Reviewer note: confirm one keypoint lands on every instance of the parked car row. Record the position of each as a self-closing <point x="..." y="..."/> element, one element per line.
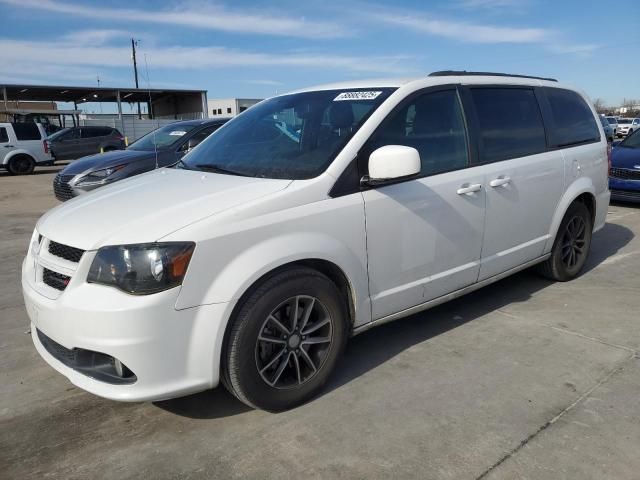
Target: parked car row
<point x="621" y="126"/>
<point x="160" y="148"/>
<point x="308" y="218"/>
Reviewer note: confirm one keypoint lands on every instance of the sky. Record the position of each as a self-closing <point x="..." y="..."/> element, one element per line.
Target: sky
<point x="255" y="49"/>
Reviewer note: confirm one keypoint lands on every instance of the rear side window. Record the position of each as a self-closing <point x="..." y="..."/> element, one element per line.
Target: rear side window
<point x="26" y="131"/>
<point x="95" y="132"/>
<point x="573" y="120"/>
<point x="433" y="124"/>
<point x="4" y="137"/>
<point x="510" y="123"/>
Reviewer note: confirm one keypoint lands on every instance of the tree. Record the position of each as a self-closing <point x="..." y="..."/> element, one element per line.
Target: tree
<point x="599" y="105"/>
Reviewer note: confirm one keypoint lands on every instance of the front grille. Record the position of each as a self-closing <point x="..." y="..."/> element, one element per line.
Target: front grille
<point x="625" y="174"/>
<point x="64" y="251"/>
<point x="54" y="279"/>
<point x="61" y="188"/>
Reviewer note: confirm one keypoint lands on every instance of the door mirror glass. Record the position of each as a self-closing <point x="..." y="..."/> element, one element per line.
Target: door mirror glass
<point x="393" y="162"/>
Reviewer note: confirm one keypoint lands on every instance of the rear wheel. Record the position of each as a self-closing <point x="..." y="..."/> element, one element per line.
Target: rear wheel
<point x="21" y="165"/>
<point x="285" y="340"/>
<point x="571" y="246"/>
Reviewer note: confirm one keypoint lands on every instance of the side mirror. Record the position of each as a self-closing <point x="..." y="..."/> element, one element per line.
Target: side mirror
<point x="392" y="162"/>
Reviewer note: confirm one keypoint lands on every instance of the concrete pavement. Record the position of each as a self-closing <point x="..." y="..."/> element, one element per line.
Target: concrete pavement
<point x="523" y="379"/>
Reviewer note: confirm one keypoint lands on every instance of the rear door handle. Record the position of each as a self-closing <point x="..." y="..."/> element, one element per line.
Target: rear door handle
<point x="467" y="189"/>
<point x="500" y="181"/>
<point x="8" y="146"/>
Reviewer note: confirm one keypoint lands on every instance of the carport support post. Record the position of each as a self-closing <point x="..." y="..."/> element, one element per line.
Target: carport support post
<point x="4" y="96"/>
<point x="205" y="107"/>
<point x="120" y="111"/>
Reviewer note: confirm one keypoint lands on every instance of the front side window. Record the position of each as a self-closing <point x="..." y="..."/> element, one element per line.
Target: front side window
<point x="573" y="120"/>
<point x="510" y="123"/>
<point x="433" y="124"/>
<point x="288" y="137"/>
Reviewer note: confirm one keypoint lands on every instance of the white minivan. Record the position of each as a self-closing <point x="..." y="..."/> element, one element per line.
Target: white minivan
<point x="311" y="217"/>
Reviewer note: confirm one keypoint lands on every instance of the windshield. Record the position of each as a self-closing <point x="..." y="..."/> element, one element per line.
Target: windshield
<point x="624" y="120"/>
<point x="58" y="134"/>
<point x="288" y="137"/>
<point x="632" y="141"/>
<point x="160" y="138"/>
<point x="604" y="121"/>
<point x="612" y="120"/>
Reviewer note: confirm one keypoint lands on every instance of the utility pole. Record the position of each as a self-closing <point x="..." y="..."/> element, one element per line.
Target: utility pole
<point x="135" y="69"/>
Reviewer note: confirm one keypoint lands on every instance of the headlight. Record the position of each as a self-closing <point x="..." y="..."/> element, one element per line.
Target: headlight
<point x="142" y="269"/>
<point x="99" y="176"/>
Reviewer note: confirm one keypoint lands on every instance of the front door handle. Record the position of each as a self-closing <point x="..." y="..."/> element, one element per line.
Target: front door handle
<point x="8" y="146"/>
<point x="500" y="181"/>
<point x="467" y="189"/>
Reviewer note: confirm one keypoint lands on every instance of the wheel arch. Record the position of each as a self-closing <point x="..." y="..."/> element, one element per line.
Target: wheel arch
<point x="582" y="190"/>
<point x="16" y="153"/>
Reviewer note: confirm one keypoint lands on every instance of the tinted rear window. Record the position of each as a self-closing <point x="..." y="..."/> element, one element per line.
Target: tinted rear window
<point x="4" y="137"/>
<point x="573" y="120"/>
<point x="510" y="123"/>
<point x="96" y="132"/>
<point x="26" y="131"/>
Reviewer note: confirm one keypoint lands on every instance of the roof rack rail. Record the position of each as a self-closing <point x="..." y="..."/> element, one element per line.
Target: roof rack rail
<point x="456" y="73"/>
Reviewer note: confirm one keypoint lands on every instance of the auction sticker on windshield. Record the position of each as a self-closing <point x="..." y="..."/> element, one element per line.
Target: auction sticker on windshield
<point x="356" y="96"/>
<point x="177" y="133"/>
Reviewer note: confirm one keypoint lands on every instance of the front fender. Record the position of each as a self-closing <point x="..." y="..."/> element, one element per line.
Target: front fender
<point x="252" y="264"/>
<point x="578" y="187"/>
<point x="231" y="256"/>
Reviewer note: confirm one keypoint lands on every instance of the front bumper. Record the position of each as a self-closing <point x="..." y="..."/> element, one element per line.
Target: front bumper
<point x="171" y="352"/>
<point x="624" y="190"/>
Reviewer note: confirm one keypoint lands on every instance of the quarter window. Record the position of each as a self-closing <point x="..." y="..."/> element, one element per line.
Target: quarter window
<point x="26" y="131"/>
<point x="573" y="120"/>
<point x="510" y="123"/>
<point x="4" y="138"/>
<point x="433" y="124"/>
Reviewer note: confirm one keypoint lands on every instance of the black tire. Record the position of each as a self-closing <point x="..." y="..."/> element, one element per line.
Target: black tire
<point x="247" y="357"/>
<point x="21" y="165"/>
<point x="571" y="246"/>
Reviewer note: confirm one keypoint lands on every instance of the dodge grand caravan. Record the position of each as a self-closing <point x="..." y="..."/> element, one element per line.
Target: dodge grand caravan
<point x="311" y="217"/>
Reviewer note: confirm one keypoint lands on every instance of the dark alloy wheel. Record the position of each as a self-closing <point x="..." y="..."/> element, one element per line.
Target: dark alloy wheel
<point x="21" y="165"/>
<point x="294" y="342"/>
<point x="285" y="339"/>
<point x="573" y="242"/>
<point x="571" y="246"/>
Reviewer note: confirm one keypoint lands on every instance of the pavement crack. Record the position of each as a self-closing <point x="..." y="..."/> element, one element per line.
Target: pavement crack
<point x="564" y="411"/>
<point x="593" y="339"/>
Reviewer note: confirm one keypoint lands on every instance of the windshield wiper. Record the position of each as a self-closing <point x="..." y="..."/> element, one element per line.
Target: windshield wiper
<point x="217" y="169"/>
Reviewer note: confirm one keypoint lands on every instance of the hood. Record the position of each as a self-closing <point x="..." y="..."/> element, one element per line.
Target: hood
<point x="147" y="207"/>
<point x="625" y="158"/>
<point x="104" y="160"/>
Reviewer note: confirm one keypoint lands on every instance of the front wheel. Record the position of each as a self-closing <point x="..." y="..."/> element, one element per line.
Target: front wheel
<point x="571" y="246"/>
<point x="285" y="340"/>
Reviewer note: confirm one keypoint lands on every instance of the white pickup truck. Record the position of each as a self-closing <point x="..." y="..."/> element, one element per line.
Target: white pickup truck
<point x="22" y="147"/>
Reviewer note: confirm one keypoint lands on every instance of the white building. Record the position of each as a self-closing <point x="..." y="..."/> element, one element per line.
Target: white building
<point x="229" y="107"/>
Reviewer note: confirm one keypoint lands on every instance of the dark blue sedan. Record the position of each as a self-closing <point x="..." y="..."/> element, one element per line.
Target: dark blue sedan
<point x="624" y="177"/>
